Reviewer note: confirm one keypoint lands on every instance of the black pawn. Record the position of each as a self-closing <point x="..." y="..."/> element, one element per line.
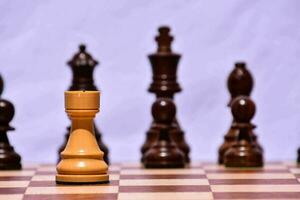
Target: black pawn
<point x="83" y="65"/>
<point x="244" y="152"/>
<point x="240" y="83"/>
<point x="164" y="153"/>
<point x="9" y="159"/>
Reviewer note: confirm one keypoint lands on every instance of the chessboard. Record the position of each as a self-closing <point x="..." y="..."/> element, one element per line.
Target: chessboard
<point x="130" y="181"/>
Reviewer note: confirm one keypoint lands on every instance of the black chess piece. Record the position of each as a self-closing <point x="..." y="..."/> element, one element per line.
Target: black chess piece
<point x="164" y="85"/>
<point x="240" y="82"/>
<point x="244" y="152"/>
<point x="9" y="159"/>
<point x="83" y="65"/>
<point x="164" y="153"/>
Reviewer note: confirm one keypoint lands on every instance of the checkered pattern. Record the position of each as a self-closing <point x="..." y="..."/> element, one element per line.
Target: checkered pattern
<point x="132" y="182"/>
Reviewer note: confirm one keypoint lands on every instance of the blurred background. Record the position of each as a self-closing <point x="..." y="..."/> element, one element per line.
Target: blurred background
<point x="37" y="38"/>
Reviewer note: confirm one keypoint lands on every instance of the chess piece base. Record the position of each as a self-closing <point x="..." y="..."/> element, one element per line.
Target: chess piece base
<point x="230" y="139"/>
<point x="9" y="159"/>
<point x="71" y="171"/>
<point x="63" y="178"/>
<point x="11" y="166"/>
<point x="82" y="171"/>
<point x="238" y="156"/>
<point x="177" y="135"/>
<point x="162" y="155"/>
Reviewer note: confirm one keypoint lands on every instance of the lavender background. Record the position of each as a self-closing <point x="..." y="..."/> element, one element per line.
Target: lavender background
<point x="38" y="37"/>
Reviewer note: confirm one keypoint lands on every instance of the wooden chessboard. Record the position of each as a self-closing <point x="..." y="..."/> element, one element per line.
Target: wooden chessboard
<point x="131" y="182"/>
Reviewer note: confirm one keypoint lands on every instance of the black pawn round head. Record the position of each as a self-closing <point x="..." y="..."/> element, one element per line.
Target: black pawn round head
<point x="7" y="112"/>
<point x="1" y="85"/>
<point x="163" y="111"/>
<point x="243" y="109"/>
